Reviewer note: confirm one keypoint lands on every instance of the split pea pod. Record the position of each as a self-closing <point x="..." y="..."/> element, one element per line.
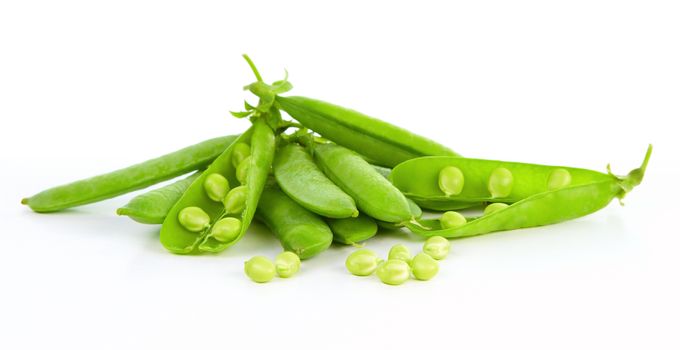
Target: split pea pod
<point x="382" y="142"/>
<point x="240" y="202"/>
<point x="129" y="179"/>
<point x="373" y="193"/>
<point x="152" y="207"/>
<point x="302" y="180"/>
<point x="546" y="207"/>
<point x="353" y="230"/>
<point x="299" y="230"/>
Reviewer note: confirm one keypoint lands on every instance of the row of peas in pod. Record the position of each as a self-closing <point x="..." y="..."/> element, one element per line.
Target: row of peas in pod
<point x="334" y="175"/>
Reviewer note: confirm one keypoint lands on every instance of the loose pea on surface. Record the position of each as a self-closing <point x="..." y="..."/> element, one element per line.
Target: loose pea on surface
<point x="242" y="171"/>
<point x="193" y="219"/>
<point x="559" y="178"/>
<point x="424" y="267"/>
<point x="235" y="201"/>
<point x="226" y="230"/>
<point x="362" y="262"/>
<point x="393" y="272"/>
<point x="399" y="252"/>
<point x="287" y="264"/>
<point x="494" y="207"/>
<point x="216" y="186"/>
<point x="451" y="180"/>
<point x="452" y="219"/>
<point x="437" y="247"/>
<point x="500" y="182"/>
<point x="241" y="151"/>
<point x="259" y="269"/>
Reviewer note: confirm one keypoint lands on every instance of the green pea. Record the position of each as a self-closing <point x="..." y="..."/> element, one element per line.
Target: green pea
<point x="287" y="264"/>
<point x="437" y="247"/>
<point x="362" y="262"/>
<point x="226" y="230"/>
<point x="235" y="201"/>
<point x="452" y="219"/>
<point x="424" y="267"/>
<point x="393" y="272"/>
<point x="399" y="252"/>
<point x="559" y="178"/>
<point x="259" y="269"/>
<point x="451" y="180"/>
<point x="241" y="151"/>
<point x="500" y="182"/>
<point x="194" y="219"/>
<point x="216" y="187"/>
<point x="494" y="207"/>
<point x="242" y="171"/>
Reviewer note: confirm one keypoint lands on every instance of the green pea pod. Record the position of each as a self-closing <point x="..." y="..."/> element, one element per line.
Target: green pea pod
<point x="544" y="208"/>
<point x="382" y="142"/>
<point x="178" y="239"/>
<point x="416" y="213"/>
<point x="302" y="180"/>
<point x="129" y="179"/>
<point x="353" y="230"/>
<point x="299" y="230"/>
<point x="374" y="194"/>
<point x="152" y="207"/>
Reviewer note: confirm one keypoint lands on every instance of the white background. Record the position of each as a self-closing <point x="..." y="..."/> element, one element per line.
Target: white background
<point x="90" y="86"/>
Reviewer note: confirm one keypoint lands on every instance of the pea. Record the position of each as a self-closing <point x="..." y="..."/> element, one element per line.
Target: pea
<point x="424" y="267"/>
<point x="241" y="151"/>
<point x="399" y="252"/>
<point x="226" y="230"/>
<point x="437" y="247"/>
<point x="287" y="264"/>
<point x="242" y="171"/>
<point x="216" y="186"/>
<point x="362" y="262"/>
<point x="260" y="269"/>
<point x="235" y="201"/>
<point x="559" y="178"/>
<point x="452" y="219"/>
<point x="194" y="219"/>
<point x="451" y="180"/>
<point x="500" y="182"/>
<point x="494" y="207"/>
<point x="393" y="272"/>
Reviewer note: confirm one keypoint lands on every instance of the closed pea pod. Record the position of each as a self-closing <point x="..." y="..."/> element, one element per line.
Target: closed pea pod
<point x="353" y="230"/>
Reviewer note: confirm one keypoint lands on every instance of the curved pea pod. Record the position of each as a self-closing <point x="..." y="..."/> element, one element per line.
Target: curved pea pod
<point x="152" y="207"/>
<point x="178" y="239"/>
<point x="373" y="194"/>
<point x="544" y="208"/>
<point x="419" y="179"/>
<point x="382" y="142"/>
<point x="353" y="230"/>
<point x="299" y="230"/>
<point x="302" y="180"/>
<point x="129" y="179"/>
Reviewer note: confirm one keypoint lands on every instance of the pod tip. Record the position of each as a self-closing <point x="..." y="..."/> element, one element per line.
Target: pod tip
<point x="24" y="201"/>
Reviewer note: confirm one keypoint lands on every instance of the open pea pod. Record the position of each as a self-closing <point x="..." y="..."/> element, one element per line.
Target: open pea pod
<point x="178" y="239"/>
<point x="544" y="208"/>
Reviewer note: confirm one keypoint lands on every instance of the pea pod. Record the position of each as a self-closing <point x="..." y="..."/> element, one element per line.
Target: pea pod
<point x="302" y="180"/>
<point x="152" y="207"/>
<point x="178" y="239"/>
<point x="547" y="207"/>
<point x="416" y="213"/>
<point x="299" y="230"/>
<point x="353" y="230"/>
<point x="374" y="194"/>
<point x="382" y="142"/>
<point x="129" y="179"/>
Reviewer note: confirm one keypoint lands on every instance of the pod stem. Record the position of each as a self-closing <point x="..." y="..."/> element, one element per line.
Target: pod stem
<point x="634" y="177"/>
<point x="253" y="68"/>
<point x="415" y="222"/>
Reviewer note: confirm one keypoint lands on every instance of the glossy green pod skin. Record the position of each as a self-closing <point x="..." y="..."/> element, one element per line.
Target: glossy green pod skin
<point x="382" y="142"/>
<point x="353" y="230"/>
<point x="373" y="194"/>
<point x="301" y="179"/>
<point x="153" y="207"/>
<point x="178" y="239"/>
<point x="129" y="179"/>
<point x="299" y="230"/>
<point x="416" y="213"/>
<point x="545" y="208"/>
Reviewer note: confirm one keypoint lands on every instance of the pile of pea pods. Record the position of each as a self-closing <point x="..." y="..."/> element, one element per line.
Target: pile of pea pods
<point x="332" y="174"/>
